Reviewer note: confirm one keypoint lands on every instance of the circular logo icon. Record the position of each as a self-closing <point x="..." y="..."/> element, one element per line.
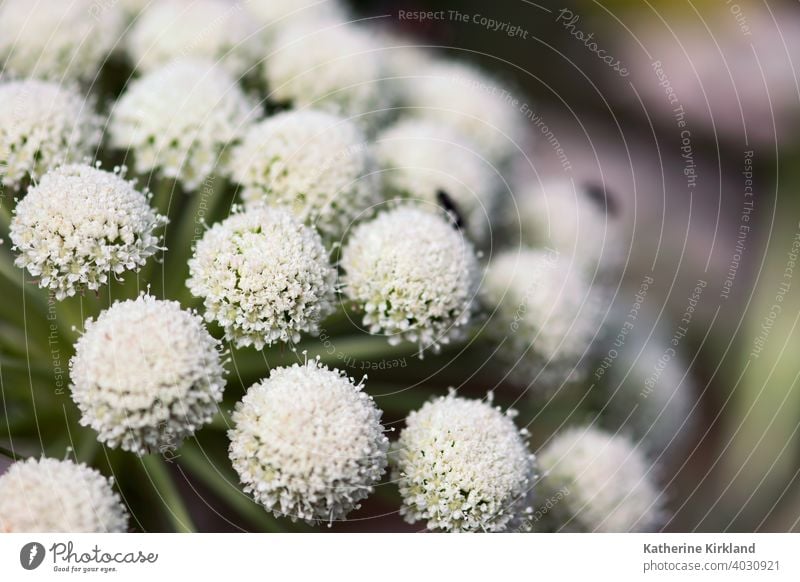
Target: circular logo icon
<point x="31" y="555"/>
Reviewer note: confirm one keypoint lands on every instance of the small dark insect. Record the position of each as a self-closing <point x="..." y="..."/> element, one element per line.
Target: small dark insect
<point x="598" y="194"/>
<point x="451" y="208"/>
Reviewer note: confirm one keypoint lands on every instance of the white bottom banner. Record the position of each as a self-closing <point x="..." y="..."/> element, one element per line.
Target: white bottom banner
<point x="403" y="557"/>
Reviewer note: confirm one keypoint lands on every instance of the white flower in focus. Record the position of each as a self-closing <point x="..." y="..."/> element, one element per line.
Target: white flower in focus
<point x="308" y="443"/>
<point x="51" y="496"/>
<point x="146" y="374"/>
<point x="474" y="102"/>
<point x="79" y="225"/>
<point x="180" y="118"/>
<point x="314" y="163"/>
<point x="414" y="275"/>
<point x="462" y="465"/>
<point x="575" y="222"/>
<point x="432" y="161"/>
<point x="608" y="482"/>
<point x="216" y="30"/>
<point x="62" y="40"/>
<point x="330" y="65"/>
<point x="264" y="277"/>
<point x="545" y="314"/>
<point x="43" y="125"/>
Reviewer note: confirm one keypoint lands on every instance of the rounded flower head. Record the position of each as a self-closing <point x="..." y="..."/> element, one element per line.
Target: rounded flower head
<point x="472" y="101"/>
<point x="545" y="314"/>
<point x="432" y="161"/>
<point x="330" y="65"/>
<point x="50" y="496"/>
<point x="264" y="277"/>
<point x="146" y="374"/>
<point x="180" y="118"/>
<point x="578" y="223"/>
<point x="57" y="39"/>
<point x="314" y="163"/>
<point x="43" y="125"/>
<point x="207" y="29"/>
<point x="308" y="443"/>
<point x="414" y="275"/>
<point x="79" y="225"/>
<point x="606" y="482"/>
<point x="462" y="465"/>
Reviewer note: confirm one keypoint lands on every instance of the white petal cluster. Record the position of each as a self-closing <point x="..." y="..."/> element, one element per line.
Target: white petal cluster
<point x="462" y="465"/>
<point x="57" y="39"/>
<point x="308" y="443"/>
<point x="560" y="216"/>
<point x="180" y="118"/>
<point x="264" y="277"/>
<point x="216" y="30"/>
<point x="276" y="14"/>
<point x="651" y="394"/>
<point x="414" y="275"/>
<point x="79" y="225"/>
<point x="146" y="374"/>
<point x="545" y="314"/>
<point x="314" y="163"/>
<point x="43" y="125"/>
<point x="607" y="482"/>
<point x="51" y="496"/>
<point x="330" y="65"/>
<point x="426" y="160"/>
<point x="474" y="102"/>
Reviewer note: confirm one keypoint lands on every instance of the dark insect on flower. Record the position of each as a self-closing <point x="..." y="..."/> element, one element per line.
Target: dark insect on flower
<point x="449" y="205"/>
<point x="598" y="194"/>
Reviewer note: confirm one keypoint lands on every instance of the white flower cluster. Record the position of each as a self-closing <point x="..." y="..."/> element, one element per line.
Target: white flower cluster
<point x="314" y="163"/>
<point x="43" y="125"/>
<point x="146" y="374"/>
<point x="264" y="277"/>
<point x="462" y="465"/>
<point x="545" y="314"/>
<point x="308" y="443"/>
<point x="471" y="100"/>
<point x="331" y="65"/>
<point x="414" y="275"/>
<point x="216" y="30"/>
<point x="180" y="118"/>
<point x="560" y="216"/>
<point x="276" y="14"/>
<point x="79" y="225"/>
<point x="56" y="39"/>
<point x="431" y="161"/>
<point x="51" y="496"/>
<point x="609" y="482"/>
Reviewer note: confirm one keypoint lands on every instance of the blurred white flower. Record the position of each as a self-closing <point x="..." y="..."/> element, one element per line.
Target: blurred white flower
<point x="79" y="225"/>
<point x="308" y="443"/>
<point x="180" y="119"/>
<point x="215" y="30"/>
<point x="331" y="65"/>
<point x="414" y="274"/>
<point x="51" y="496"/>
<point x="462" y="465"/>
<point x="314" y="163"/>
<point x="264" y="277"/>
<point x="434" y="162"/>
<point x="609" y="482"/>
<point x="43" y="125"/>
<point x="57" y="39"/>
<point x="274" y="15"/>
<point x="545" y="317"/>
<point x="146" y="374"/>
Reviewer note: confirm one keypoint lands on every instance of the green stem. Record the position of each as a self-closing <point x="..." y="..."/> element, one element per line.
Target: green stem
<point x="197" y="463"/>
<point x="165" y="487"/>
<point x="12" y="455"/>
